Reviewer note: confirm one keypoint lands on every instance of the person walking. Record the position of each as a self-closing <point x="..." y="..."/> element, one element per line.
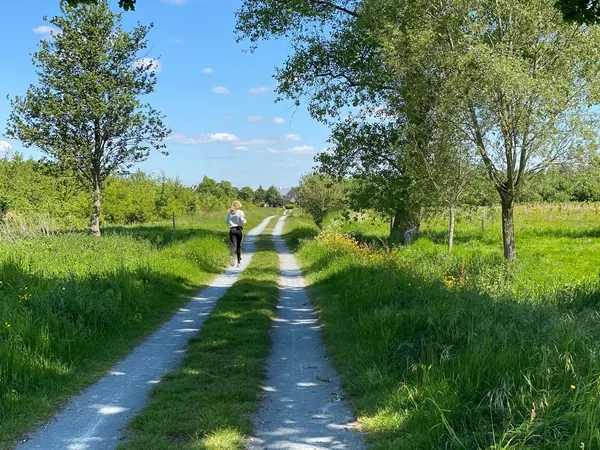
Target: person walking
<point x="236" y="220"/>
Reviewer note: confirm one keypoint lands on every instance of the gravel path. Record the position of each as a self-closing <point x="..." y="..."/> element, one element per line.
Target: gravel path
<point x="303" y="407"/>
<point x="96" y="418"/>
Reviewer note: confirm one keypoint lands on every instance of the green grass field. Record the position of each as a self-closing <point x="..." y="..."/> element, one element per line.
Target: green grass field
<point x="463" y="350"/>
<point x="72" y="305"/>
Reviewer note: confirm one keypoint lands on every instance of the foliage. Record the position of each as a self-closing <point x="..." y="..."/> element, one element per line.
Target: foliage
<point x="581" y="11"/>
<point x="246" y="194"/>
<point x="451" y="80"/>
<point x="464" y="350"/>
<point x="30" y="193"/>
<point x="127" y="5"/>
<point x="260" y="196"/>
<point x="502" y="70"/>
<point x="273" y="197"/>
<point x="319" y="194"/>
<point x="85" y="114"/>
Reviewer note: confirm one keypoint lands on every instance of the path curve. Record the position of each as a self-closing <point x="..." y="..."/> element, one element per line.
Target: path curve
<point x="95" y="419"/>
<point x="303" y="407"/>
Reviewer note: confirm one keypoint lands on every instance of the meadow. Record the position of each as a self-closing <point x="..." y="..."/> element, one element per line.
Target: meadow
<point x="462" y="350"/>
<point x="72" y="305"/>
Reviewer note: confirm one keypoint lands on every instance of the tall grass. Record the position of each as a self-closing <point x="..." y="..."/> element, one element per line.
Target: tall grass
<point x="462" y="350"/>
<point x="71" y="305"/>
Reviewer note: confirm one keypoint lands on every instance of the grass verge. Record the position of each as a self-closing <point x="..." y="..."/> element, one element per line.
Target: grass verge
<point x="208" y="402"/>
<point x="442" y="361"/>
<point x="71" y="306"/>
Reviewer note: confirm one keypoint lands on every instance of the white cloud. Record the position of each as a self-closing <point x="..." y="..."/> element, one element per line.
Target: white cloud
<point x="255" y="118"/>
<point x="175" y="2"/>
<point x="241" y="148"/>
<point x="293" y="137"/>
<point x="207" y="70"/>
<point x="278" y="120"/>
<point x="258" y="141"/>
<point x="178" y="41"/>
<point x="152" y="64"/>
<point x="46" y="30"/>
<point x="221" y="90"/>
<point x="183" y="139"/>
<point x="5" y="147"/>
<point x="259" y="90"/>
<point x="301" y="150"/>
<point x="229" y="116"/>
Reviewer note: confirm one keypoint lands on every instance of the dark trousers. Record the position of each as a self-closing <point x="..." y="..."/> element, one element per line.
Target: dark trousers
<point x="236" y="234"/>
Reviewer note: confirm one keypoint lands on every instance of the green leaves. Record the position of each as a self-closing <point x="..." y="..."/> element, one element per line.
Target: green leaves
<point x="127" y="5"/>
<point x="85" y="113"/>
<point x="318" y="195"/>
<point x="581" y="11"/>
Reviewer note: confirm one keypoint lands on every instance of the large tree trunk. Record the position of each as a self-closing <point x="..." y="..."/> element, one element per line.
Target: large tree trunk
<point x="404" y="220"/>
<point x="508" y="228"/>
<point x="451" y="227"/>
<point x="95" y="220"/>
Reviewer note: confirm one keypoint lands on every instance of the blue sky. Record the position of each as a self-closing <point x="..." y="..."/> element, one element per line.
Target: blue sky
<point x="218" y="99"/>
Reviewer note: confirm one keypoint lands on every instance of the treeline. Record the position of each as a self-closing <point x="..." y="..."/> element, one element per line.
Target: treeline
<point x="30" y="189"/>
<point x="320" y="194"/>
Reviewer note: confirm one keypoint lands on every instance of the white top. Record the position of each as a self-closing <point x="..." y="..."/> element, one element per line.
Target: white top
<point x="236" y="218"/>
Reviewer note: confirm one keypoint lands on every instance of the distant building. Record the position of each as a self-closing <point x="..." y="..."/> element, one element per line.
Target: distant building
<point x="288" y="194"/>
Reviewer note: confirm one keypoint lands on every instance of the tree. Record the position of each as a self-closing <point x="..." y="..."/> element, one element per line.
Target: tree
<point x="125" y="4"/>
<point x="246" y="194"/>
<point x="273" y="197"/>
<point x="375" y="157"/>
<point x="259" y="196"/>
<point x="318" y="195"/>
<point x="513" y="77"/>
<point x="208" y="186"/>
<point x="228" y="190"/>
<point x="85" y="115"/>
<point x="581" y="11"/>
<point x="335" y="71"/>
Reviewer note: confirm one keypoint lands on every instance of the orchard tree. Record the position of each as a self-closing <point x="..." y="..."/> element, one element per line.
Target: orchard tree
<point x="85" y="114"/>
<point x="318" y="195"/>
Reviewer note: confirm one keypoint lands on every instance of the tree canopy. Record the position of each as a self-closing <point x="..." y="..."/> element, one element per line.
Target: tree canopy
<point x="417" y="90"/>
<point x="581" y="11"/>
<point x="85" y="114"/>
<point x="125" y="4"/>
